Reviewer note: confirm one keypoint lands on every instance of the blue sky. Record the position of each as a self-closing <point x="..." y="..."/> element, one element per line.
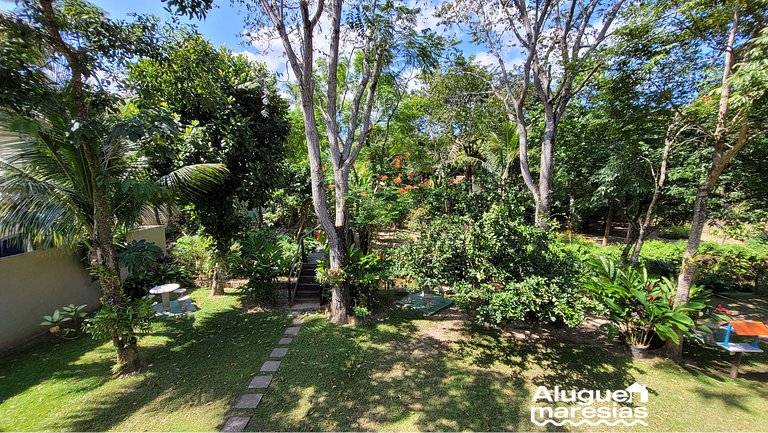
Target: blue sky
<point x="223" y="25"/>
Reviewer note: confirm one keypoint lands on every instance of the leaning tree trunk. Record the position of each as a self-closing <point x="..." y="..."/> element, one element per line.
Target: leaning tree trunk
<point x="632" y="235"/>
<point x="688" y="267"/>
<point x="657" y="188"/>
<point x="721" y="156"/>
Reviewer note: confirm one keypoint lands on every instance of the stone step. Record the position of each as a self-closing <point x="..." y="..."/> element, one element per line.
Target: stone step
<point x="309" y="288"/>
<point x="260" y="381"/>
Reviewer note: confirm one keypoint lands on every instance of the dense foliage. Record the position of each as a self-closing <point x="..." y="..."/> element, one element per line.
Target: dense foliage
<point x="501" y="268"/>
<point x="231" y="113"/>
<point x="641" y="307"/>
<point x="262" y="256"/>
<point x="720" y="267"/>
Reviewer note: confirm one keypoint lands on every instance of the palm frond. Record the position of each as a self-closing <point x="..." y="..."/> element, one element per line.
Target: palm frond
<point x="194" y="181"/>
<point x="39" y="212"/>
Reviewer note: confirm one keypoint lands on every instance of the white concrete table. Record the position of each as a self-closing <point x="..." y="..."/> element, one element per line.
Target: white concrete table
<point x="165" y="292"/>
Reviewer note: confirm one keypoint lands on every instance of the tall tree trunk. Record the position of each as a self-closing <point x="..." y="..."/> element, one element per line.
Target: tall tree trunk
<point x="544" y="203"/>
<point x="343" y="153"/>
<point x="103" y="244"/>
<point x="338" y="260"/>
<point x="608" y="224"/>
<point x="128" y="359"/>
<point x="658" y="185"/>
<point x="721" y="156"/>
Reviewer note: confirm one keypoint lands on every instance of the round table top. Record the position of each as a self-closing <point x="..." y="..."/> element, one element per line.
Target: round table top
<point x="165" y="288"/>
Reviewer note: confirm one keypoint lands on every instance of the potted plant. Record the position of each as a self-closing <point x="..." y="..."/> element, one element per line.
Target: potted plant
<point x="640" y="307"/>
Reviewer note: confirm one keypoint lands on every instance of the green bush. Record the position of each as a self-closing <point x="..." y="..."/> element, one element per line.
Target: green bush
<point x="501" y="268"/>
<point x="262" y="256"/>
<point x="167" y="270"/>
<point x="363" y="273"/>
<point x="719" y="267"/>
<point x="732" y="267"/>
<point x="148" y="267"/>
<point x="195" y="253"/>
<point x="438" y="256"/>
<point x="132" y="319"/>
<point x="675" y="232"/>
<point x="138" y="258"/>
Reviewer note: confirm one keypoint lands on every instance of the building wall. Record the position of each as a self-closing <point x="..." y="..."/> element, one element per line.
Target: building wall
<point x="34" y="284"/>
<point x="155" y="234"/>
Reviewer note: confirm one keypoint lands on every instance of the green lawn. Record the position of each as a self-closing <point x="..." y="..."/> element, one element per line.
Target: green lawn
<point x="199" y="365"/>
<point x="405" y="373"/>
<point x="402" y="375"/>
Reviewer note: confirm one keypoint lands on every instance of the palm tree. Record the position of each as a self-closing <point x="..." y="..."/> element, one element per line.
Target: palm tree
<point x="47" y="194"/>
<point x="46" y="197"/>
<point x="495" y="153"/>
<point x="72" y="174"/>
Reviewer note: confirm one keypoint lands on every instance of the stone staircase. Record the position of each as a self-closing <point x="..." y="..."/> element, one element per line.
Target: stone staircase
<point x="307" y="290"/>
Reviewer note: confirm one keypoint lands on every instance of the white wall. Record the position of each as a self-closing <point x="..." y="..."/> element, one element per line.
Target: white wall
<point x="34" y="284"/>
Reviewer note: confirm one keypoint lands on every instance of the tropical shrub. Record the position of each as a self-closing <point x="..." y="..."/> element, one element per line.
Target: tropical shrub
<point x="501" y="268"/>
<point x="438" y="257"/>
<point x="167" y="270"/>
<point x="262" y="256"/>
<point x="640" y="307"/>
<point x="719" y="267"/>
<point x="364" y="272"/>
<point x="125" y="322"/>
<point x="194" y="253"/>
<point x="148" y="267"/>
<point x="362" y="314"/>
<point x="54" y="321"/>
<point x="75" y="314"/>
<point x="138" y="257"/>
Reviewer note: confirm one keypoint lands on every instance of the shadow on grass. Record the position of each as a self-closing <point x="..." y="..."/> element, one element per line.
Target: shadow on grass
<point x="550" y="362"/>
<point x="392" y="376"/>
<point x="28" y="368"/>
<point x="714" y="363"/>
<point x="195" y="362"/>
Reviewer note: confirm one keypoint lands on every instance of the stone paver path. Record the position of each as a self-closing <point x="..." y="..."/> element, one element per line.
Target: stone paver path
<point x="252" y="400"/>
<point x="279" y="352"/>
<point x="270" y="366"/>
<point x="260" y="381"/>
<point x="236" y="423"/>
<point x="248" y="401"/>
